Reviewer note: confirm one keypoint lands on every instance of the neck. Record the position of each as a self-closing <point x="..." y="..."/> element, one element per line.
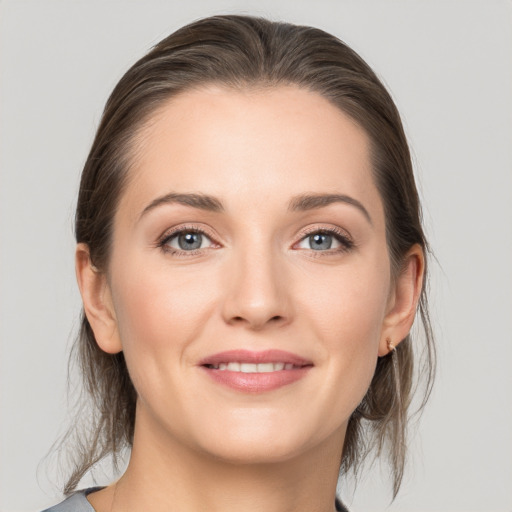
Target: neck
<point x="164" y="476"/>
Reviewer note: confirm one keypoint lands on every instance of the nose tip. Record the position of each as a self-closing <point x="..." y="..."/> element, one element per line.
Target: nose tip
<point x="257" y="295"/>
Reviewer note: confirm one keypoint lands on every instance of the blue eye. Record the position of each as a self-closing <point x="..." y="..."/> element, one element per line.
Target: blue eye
<point x="320" y="241"/>
<point x="324" y="241"/>
<point x="187" y="240"/>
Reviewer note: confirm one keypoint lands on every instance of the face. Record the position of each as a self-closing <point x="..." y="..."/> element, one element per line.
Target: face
<point x="249" y="278"/>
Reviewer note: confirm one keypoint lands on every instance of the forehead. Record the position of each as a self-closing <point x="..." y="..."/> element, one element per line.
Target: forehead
<point x="266" y="144"/>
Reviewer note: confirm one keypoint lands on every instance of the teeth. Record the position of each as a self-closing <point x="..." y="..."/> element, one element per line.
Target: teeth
<point x="249" y="368"/>
<point x="253" y="367"/>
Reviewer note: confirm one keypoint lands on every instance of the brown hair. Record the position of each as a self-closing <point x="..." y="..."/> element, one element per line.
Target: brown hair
<point x="240" y="52"/>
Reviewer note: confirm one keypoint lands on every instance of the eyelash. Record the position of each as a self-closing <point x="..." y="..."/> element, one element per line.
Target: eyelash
<point x="347" y="244"/>
<point x="168" y="236"/>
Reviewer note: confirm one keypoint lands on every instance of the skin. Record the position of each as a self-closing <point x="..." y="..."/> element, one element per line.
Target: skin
<point x="255" y="283"/>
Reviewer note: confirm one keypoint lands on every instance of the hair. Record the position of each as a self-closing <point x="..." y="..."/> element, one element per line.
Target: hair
<point x="241" y="52"/>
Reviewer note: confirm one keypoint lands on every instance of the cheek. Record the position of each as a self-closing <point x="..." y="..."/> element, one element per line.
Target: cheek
<point x="159" y="315"/>
<point x="349" y="320"/>
<point x="350" y="303"/>
<point x="159" y="312"/>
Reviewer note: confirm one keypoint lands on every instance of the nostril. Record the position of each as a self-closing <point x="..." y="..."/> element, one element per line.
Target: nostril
<point x="257" y="323"/>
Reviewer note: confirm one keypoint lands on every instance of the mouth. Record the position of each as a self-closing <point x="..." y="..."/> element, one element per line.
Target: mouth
<point x="253" y="367"/>
<point x="255" y="372"/>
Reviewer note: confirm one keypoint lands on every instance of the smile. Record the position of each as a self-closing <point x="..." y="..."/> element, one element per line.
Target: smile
<point x="253" y="367"/>
<point x="253" y="372"/>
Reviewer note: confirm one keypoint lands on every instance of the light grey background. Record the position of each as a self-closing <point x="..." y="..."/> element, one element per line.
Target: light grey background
<point x="447" y="63"/>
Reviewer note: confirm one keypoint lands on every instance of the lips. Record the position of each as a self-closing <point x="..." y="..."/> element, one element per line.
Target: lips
<point x="255" y="372"/>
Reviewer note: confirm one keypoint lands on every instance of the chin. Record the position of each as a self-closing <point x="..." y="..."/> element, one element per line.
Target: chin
<point x="266" y="442"/>
<point x="254" y="452"/>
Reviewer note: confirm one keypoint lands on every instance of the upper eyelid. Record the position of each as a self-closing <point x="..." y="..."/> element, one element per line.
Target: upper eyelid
<point x="335" y="230"/>
<point x="171" y="232"/>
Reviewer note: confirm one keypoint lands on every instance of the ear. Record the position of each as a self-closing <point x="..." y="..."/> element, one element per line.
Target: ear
<point x="97" y="300"/>
<point x="403" y="300"/>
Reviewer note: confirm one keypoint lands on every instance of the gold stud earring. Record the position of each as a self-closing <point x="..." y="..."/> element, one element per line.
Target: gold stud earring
<point x="390" y="345"/>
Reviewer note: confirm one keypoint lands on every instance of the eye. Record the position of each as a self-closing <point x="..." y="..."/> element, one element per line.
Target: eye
<point x="325" y="240"/>
<point x="186" y="240"/>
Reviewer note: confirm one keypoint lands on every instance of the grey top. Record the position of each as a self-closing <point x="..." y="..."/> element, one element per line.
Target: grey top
<point x="77" y="502"/>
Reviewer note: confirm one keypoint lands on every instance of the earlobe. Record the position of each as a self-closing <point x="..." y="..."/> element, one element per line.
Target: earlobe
<point x="97" y="301"/>
<point x="403" y="300"/>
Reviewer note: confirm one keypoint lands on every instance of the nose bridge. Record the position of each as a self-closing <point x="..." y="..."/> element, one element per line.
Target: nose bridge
<point x="257" y="293"/>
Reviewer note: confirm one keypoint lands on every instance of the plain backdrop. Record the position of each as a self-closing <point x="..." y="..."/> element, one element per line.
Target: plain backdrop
<point x="448" y="64"/>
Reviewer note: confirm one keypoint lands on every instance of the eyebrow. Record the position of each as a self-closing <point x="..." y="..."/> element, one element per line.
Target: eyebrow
<point x="200" y="201"/>
<point x="301" y="202"/>
<point x="312" y="201"/>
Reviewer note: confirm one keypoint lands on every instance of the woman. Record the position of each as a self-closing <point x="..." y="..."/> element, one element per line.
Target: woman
<point x="251" y="259"/>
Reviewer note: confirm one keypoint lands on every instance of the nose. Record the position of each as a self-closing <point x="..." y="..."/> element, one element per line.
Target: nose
<point x="257" y="294"/>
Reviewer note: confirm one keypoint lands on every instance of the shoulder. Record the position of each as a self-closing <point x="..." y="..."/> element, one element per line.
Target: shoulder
<point x="77" y="502"/>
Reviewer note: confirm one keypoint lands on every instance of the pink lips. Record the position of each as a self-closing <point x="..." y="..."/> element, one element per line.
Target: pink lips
<point x="252" y="380"/>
